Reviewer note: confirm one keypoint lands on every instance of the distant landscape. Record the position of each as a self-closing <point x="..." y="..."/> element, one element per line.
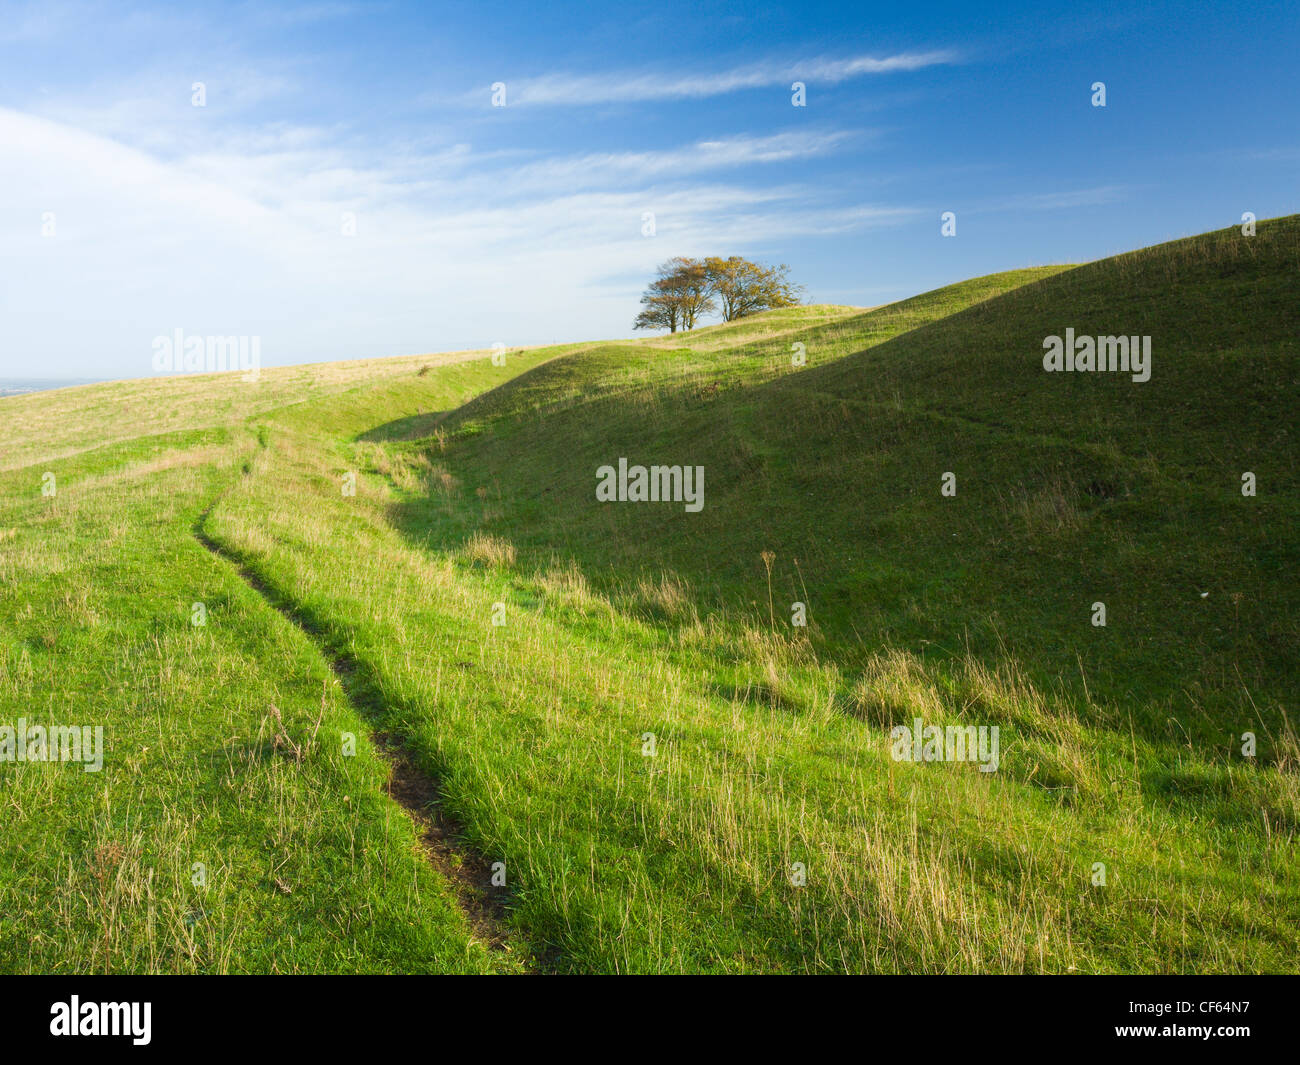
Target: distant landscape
<point x="17" y="386"/>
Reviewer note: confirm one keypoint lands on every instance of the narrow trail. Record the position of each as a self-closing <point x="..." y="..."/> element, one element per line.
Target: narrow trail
<point x="418" y="793"/>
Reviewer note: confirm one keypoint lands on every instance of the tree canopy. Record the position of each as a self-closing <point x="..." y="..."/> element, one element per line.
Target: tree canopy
<point x="684" y="290"/>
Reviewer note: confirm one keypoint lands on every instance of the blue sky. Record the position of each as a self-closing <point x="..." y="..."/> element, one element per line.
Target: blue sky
<point x="523" y="224"/>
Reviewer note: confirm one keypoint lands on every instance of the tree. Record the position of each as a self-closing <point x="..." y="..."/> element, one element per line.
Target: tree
<point x="679" y="296"/>
<point x="746" y="288"/>
<point x="658" y="311"/>
<point x="684" y="290"/>
<point x="690" y="283"/>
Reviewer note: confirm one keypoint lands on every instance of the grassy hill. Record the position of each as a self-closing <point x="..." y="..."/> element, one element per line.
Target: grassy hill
<point x="612" y="706"/>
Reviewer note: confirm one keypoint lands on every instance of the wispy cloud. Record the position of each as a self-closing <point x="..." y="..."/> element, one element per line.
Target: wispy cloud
<point x="451" y="245"/>
<point x="629" y="87"/>
<point x="719" y="154"/>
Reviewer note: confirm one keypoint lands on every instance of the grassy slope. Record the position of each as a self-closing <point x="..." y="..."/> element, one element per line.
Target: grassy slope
<point x="47" y="426"/>
<point x="770" y="747"/>
<point x="771" y="742"/>
<point x="309" y="867"/>
<point x="1072" y="489"/>
<point x="766" y="325"/>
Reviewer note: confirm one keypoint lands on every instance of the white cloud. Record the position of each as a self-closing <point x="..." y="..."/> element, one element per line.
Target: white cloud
<point x="705" y="155"/>
<point x="1056" y="201"/>
<point x="615" y="87"/>
<point x="452" y="250"/>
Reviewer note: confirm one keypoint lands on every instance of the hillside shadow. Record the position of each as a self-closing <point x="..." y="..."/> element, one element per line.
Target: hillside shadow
<point x="405" y="430"/>
<point x="1071" y="490"/>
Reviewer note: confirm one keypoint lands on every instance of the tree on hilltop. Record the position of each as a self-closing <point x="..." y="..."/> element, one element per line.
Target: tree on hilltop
<point x="685" y="290"/>
<point x="745" y="287"/>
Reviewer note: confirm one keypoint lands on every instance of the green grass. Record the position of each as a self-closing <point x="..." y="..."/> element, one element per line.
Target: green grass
<point x="475" y="499"/>
<point x="309" y="867"/>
